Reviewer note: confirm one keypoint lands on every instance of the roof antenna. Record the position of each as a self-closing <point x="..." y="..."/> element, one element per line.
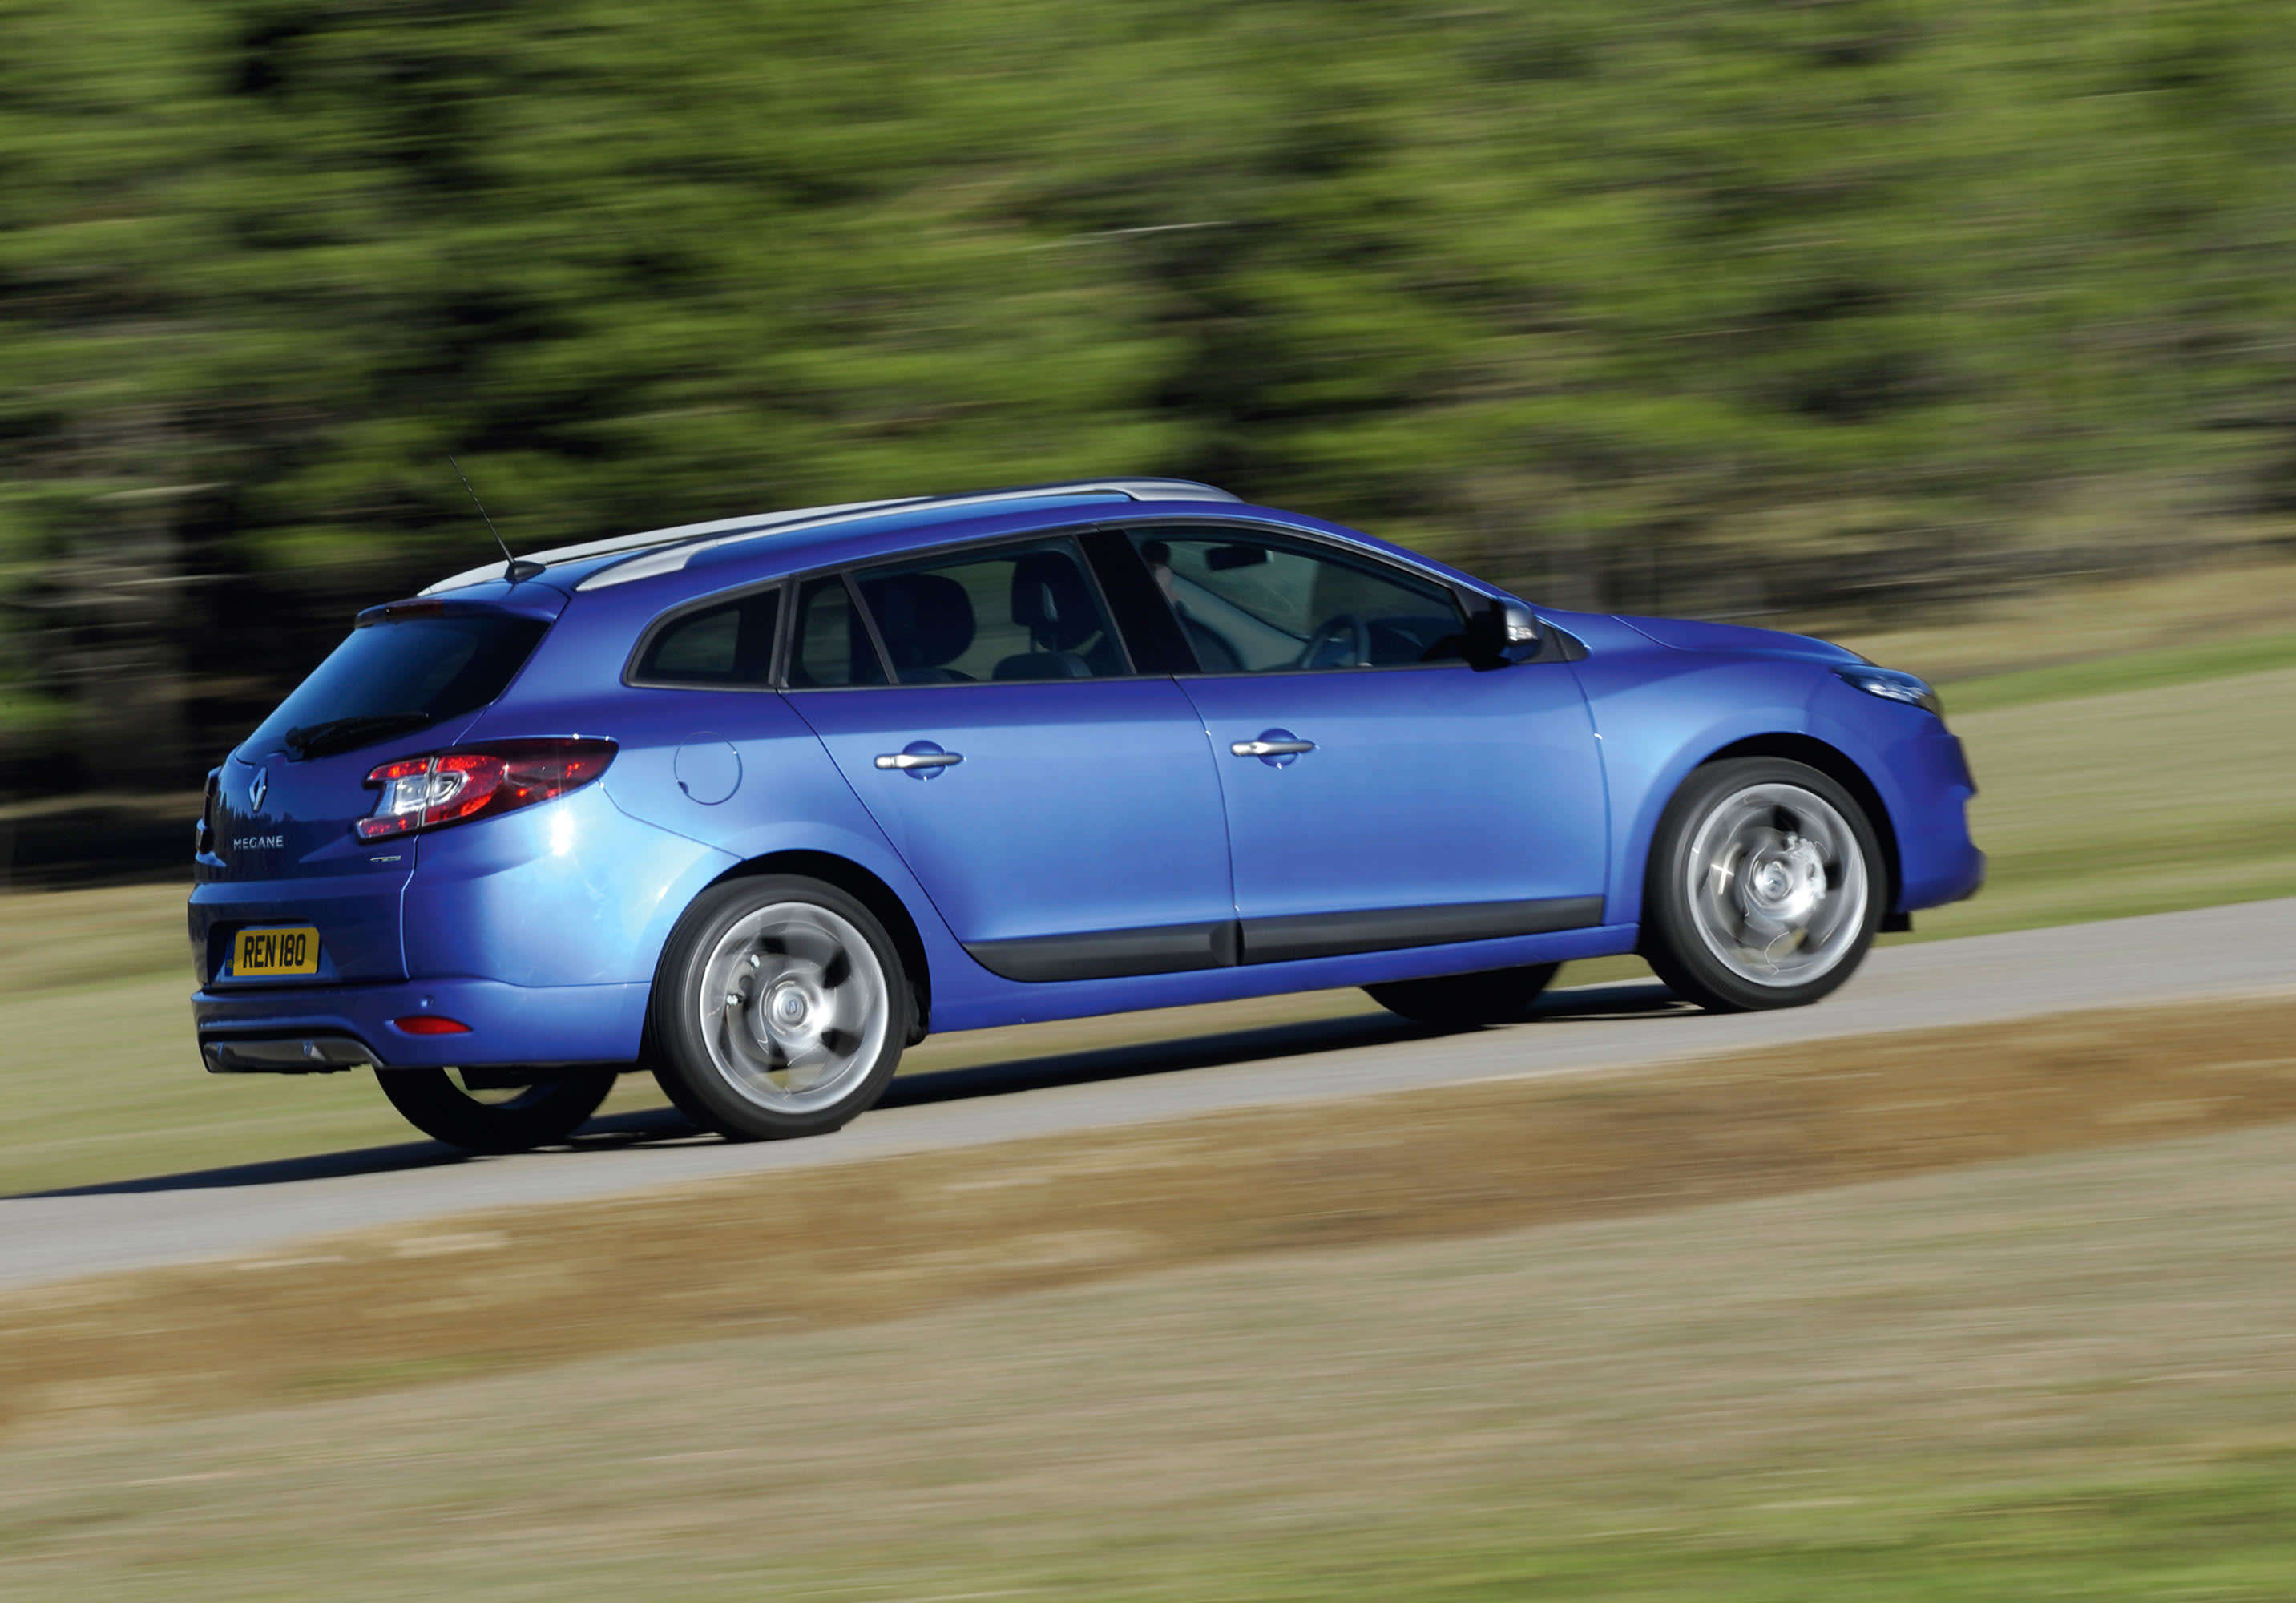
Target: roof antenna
<point x="514" y="568"/>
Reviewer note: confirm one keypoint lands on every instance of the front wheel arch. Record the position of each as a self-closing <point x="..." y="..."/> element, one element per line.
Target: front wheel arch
<point x="1835" y="765"/>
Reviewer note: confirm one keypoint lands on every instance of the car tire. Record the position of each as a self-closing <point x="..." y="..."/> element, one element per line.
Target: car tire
<point x="540" y="1115"/>
<point x="1496" y="995"/>
<point x="779" y="1009"/>
<point x="1765" y="888"/>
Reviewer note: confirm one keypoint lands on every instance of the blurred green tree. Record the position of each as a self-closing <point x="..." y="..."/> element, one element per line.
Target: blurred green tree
<point x="1714" y="305"/>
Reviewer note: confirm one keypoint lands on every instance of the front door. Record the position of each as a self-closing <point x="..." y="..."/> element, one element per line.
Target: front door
<point x="1063" y="814"/>
<point x="1379" y="791"/>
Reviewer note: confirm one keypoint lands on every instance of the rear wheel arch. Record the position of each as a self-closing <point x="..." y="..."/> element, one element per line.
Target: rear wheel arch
<point x="871" y="892"/>
<point x="1836" y="766"/>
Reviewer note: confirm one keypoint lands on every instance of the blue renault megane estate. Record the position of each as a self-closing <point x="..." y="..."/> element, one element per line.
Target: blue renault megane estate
<point x="754" y="804"/>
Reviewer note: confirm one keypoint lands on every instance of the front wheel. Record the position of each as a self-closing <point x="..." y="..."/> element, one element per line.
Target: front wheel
<point x="1497" y="996"/>
<point x="483" y="1110"/>
<point x="779" y="1009"/>
<point x="1764" y="888"/>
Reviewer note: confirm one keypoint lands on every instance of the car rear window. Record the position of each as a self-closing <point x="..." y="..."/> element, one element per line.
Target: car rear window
<point x="397" y="675"/>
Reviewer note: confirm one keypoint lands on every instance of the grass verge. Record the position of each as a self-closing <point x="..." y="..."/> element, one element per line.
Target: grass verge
<point x="2088" y="623"/>
<point x="2218" y="1530"/>
<point x="863" y="1242"/>
<point x="2060" y="1375"/>
<point x="2135" y="670"/>
<point x="2140" y="801"/>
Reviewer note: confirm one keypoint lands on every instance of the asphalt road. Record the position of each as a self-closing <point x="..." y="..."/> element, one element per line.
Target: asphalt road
<point x="261" y="1209"/>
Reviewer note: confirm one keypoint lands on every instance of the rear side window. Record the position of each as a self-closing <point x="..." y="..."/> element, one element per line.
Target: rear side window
<point x="1016" y="612"/>
<point x="830" y="645"/>
<point x="396" y="676"/>
<point x="727" y="645"/>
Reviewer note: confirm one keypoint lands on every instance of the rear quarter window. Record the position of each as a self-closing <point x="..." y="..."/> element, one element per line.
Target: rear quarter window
<point x="727" y="645"/>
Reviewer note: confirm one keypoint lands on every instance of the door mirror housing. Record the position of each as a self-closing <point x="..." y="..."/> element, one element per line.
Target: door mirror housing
<point x="1221" y="559"/>
<point x="1501" y="632"/>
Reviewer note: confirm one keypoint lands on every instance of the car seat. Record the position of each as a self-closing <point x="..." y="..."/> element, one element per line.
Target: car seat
<point x="926" y="621"/>
<point x="1052" y="601"/>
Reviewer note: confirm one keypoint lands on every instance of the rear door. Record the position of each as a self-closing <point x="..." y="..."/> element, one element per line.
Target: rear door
<point x="1061" y="810"/>
<point x="1379" y="791"/>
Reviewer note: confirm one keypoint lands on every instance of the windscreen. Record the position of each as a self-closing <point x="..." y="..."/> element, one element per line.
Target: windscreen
<point x="396" y="676"/>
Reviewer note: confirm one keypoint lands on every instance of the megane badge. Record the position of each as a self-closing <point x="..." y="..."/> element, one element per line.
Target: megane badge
<point x="257" y="790"/>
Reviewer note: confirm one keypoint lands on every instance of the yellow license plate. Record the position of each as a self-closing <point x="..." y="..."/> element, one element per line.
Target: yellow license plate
<point x="292" y="950"/>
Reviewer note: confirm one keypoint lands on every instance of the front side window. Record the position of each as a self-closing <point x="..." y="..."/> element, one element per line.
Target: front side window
<point x="1013" y="612"/>
<point x="1255" y="603"/>
<point x="727" y="645"/>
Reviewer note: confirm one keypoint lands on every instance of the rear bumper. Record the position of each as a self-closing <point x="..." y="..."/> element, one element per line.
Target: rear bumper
<point x="317" y="1030"/>
<point x="357" y="916"/>
<point x="539" y="930"/>
<point x="286" y="1055"/>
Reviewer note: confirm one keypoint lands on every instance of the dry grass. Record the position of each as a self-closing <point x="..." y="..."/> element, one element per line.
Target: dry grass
<point x="2080" y="623"/>
<point x="2140" y="801"/>
<point x="2066" y="1376"/>
<point x="77" y="938"/>
<point x="867" y="1242"/>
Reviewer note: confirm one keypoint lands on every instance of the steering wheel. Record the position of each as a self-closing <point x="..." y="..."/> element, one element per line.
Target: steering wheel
<point x="1341" y="629"/>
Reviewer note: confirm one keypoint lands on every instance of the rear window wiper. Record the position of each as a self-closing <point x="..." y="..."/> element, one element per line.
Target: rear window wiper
<point x="344" y="734"/>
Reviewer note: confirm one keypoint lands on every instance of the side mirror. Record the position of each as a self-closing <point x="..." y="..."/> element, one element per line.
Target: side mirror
<point x="1518" y="626"/>
<point x="1500" y="633"/>
<point x="1219" y="559"/>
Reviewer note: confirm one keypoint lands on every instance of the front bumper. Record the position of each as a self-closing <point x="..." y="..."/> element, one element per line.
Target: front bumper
<point x="302" y="1030"/>
<point x="1937" y="861"/>
<point x="1976" y="877"/>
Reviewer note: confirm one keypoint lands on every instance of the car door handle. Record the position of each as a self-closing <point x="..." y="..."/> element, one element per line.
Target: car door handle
<point x="906" y="760"/>
<point x="1271" y="748"/>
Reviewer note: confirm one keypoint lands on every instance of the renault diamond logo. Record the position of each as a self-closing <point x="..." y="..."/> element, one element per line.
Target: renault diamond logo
<point x="259" y="789"/>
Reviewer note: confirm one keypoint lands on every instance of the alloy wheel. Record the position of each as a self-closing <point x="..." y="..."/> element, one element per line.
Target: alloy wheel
<point x="793" y="1006"/>
<point x="1777" y="884"/>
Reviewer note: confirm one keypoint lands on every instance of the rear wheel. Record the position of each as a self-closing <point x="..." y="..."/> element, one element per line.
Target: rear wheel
<point x="1764" y="888"/>
<point x="1497" y="996"/>
<point x="779" y="1009"/>
<point x="490" y="1110"/>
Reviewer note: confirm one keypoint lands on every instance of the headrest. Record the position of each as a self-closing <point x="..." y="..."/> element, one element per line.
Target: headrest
<point x="1052" y="601"/>
<point x="926" y="619"/>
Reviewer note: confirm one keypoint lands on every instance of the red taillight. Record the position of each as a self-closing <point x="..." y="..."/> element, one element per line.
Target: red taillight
<point x="446" y="787"/>
<point x="430" y="1023"/>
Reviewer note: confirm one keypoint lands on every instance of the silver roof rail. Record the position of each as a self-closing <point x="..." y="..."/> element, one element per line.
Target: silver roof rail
<point x="667" y="550"/>
<point x="671" y="558"/>
<point x="755" y="523"/>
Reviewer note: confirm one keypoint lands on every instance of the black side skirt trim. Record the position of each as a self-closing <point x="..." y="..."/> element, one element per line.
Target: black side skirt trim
<point x="1387" y="929"/>
<point x="1178" y="947"/>
<point x="1109" y="954"/>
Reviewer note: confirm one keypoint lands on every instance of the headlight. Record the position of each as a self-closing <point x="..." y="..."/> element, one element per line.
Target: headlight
<point x="1891" y="684"/>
